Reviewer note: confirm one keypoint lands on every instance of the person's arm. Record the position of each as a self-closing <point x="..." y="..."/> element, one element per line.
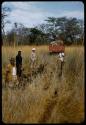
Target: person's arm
<point x="16" y="61"/>
<point x="7" y="69"/>
<point x="35" y="56"/>
<point x="21" y="61"/>
<point x="31" y="57"/>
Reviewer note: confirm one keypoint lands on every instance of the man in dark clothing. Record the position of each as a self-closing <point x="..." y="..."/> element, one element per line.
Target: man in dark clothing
<point x="19" y="64"/>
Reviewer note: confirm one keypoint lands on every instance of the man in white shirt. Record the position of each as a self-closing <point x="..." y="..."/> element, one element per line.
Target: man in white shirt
<point x="33" y="58"/>
<point x="61" y="58"/>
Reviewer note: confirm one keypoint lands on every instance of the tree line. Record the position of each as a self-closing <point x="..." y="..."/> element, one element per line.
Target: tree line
<point x="70" y="30"/>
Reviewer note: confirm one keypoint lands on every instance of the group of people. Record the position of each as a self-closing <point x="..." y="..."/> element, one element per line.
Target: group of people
<point x="14" y="68"/>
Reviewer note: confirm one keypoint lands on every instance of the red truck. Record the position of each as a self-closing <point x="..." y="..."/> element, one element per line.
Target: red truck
<point x="56" y="47"/>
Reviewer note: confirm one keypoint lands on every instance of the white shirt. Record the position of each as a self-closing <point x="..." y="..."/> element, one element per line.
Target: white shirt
<point x="61" y="56"/>
<point x="14" y="71"/>
<point x="33" y="56"/>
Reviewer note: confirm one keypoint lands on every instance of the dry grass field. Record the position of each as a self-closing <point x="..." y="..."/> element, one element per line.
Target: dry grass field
<point x="48" y="99"/>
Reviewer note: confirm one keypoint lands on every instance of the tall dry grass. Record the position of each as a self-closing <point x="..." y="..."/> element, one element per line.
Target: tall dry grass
<point x="63" y="99"/>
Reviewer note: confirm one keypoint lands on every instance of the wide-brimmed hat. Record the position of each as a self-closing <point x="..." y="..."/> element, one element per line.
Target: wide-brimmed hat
<point x="33" y="49"/>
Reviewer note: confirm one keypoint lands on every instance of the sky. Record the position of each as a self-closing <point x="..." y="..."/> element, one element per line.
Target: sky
<point x="31" y="14"/>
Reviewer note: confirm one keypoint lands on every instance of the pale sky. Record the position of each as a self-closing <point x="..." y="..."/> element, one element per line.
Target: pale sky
<point x="33" y="13"/>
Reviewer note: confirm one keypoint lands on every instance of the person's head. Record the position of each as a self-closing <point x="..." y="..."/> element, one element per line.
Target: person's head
<point x="12" y="61"/>
<point x="19" y="53"/>
<point x="33" y="49"/>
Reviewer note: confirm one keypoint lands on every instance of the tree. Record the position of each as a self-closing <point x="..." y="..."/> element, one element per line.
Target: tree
<point x="10" y="37"/>
<point x="52" y="25"/>
<point x="4" y="14"/>
<point x="67" y="29"/>
<point x="81" y="34"/>
<point x="35" y="33"/>
<point x="72" y="29"/>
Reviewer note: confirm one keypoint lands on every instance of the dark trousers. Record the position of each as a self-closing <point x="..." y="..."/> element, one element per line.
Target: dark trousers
<point x="19" y="71"/>
<point x="61" y="68"/>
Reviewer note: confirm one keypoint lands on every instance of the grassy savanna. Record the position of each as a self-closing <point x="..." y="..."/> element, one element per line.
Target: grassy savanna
<point x="61" y="102"/>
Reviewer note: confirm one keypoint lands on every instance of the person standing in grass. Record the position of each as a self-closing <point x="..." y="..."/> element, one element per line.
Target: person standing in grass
<point x="33" y="59"/>
<point x="19" y="65"/>
<point x="11" y="76"/>
<point x="61" y="58"/>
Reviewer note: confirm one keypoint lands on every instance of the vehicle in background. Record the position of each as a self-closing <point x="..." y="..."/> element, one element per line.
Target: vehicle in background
<point x="56" y="47"/>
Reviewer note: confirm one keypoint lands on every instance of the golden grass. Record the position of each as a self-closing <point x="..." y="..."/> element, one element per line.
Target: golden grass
<point x="35" y="104"/>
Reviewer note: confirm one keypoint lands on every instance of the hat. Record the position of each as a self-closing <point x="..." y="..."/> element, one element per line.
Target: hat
<point x="12" y="59"/>
<point x="33" y="49"/>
